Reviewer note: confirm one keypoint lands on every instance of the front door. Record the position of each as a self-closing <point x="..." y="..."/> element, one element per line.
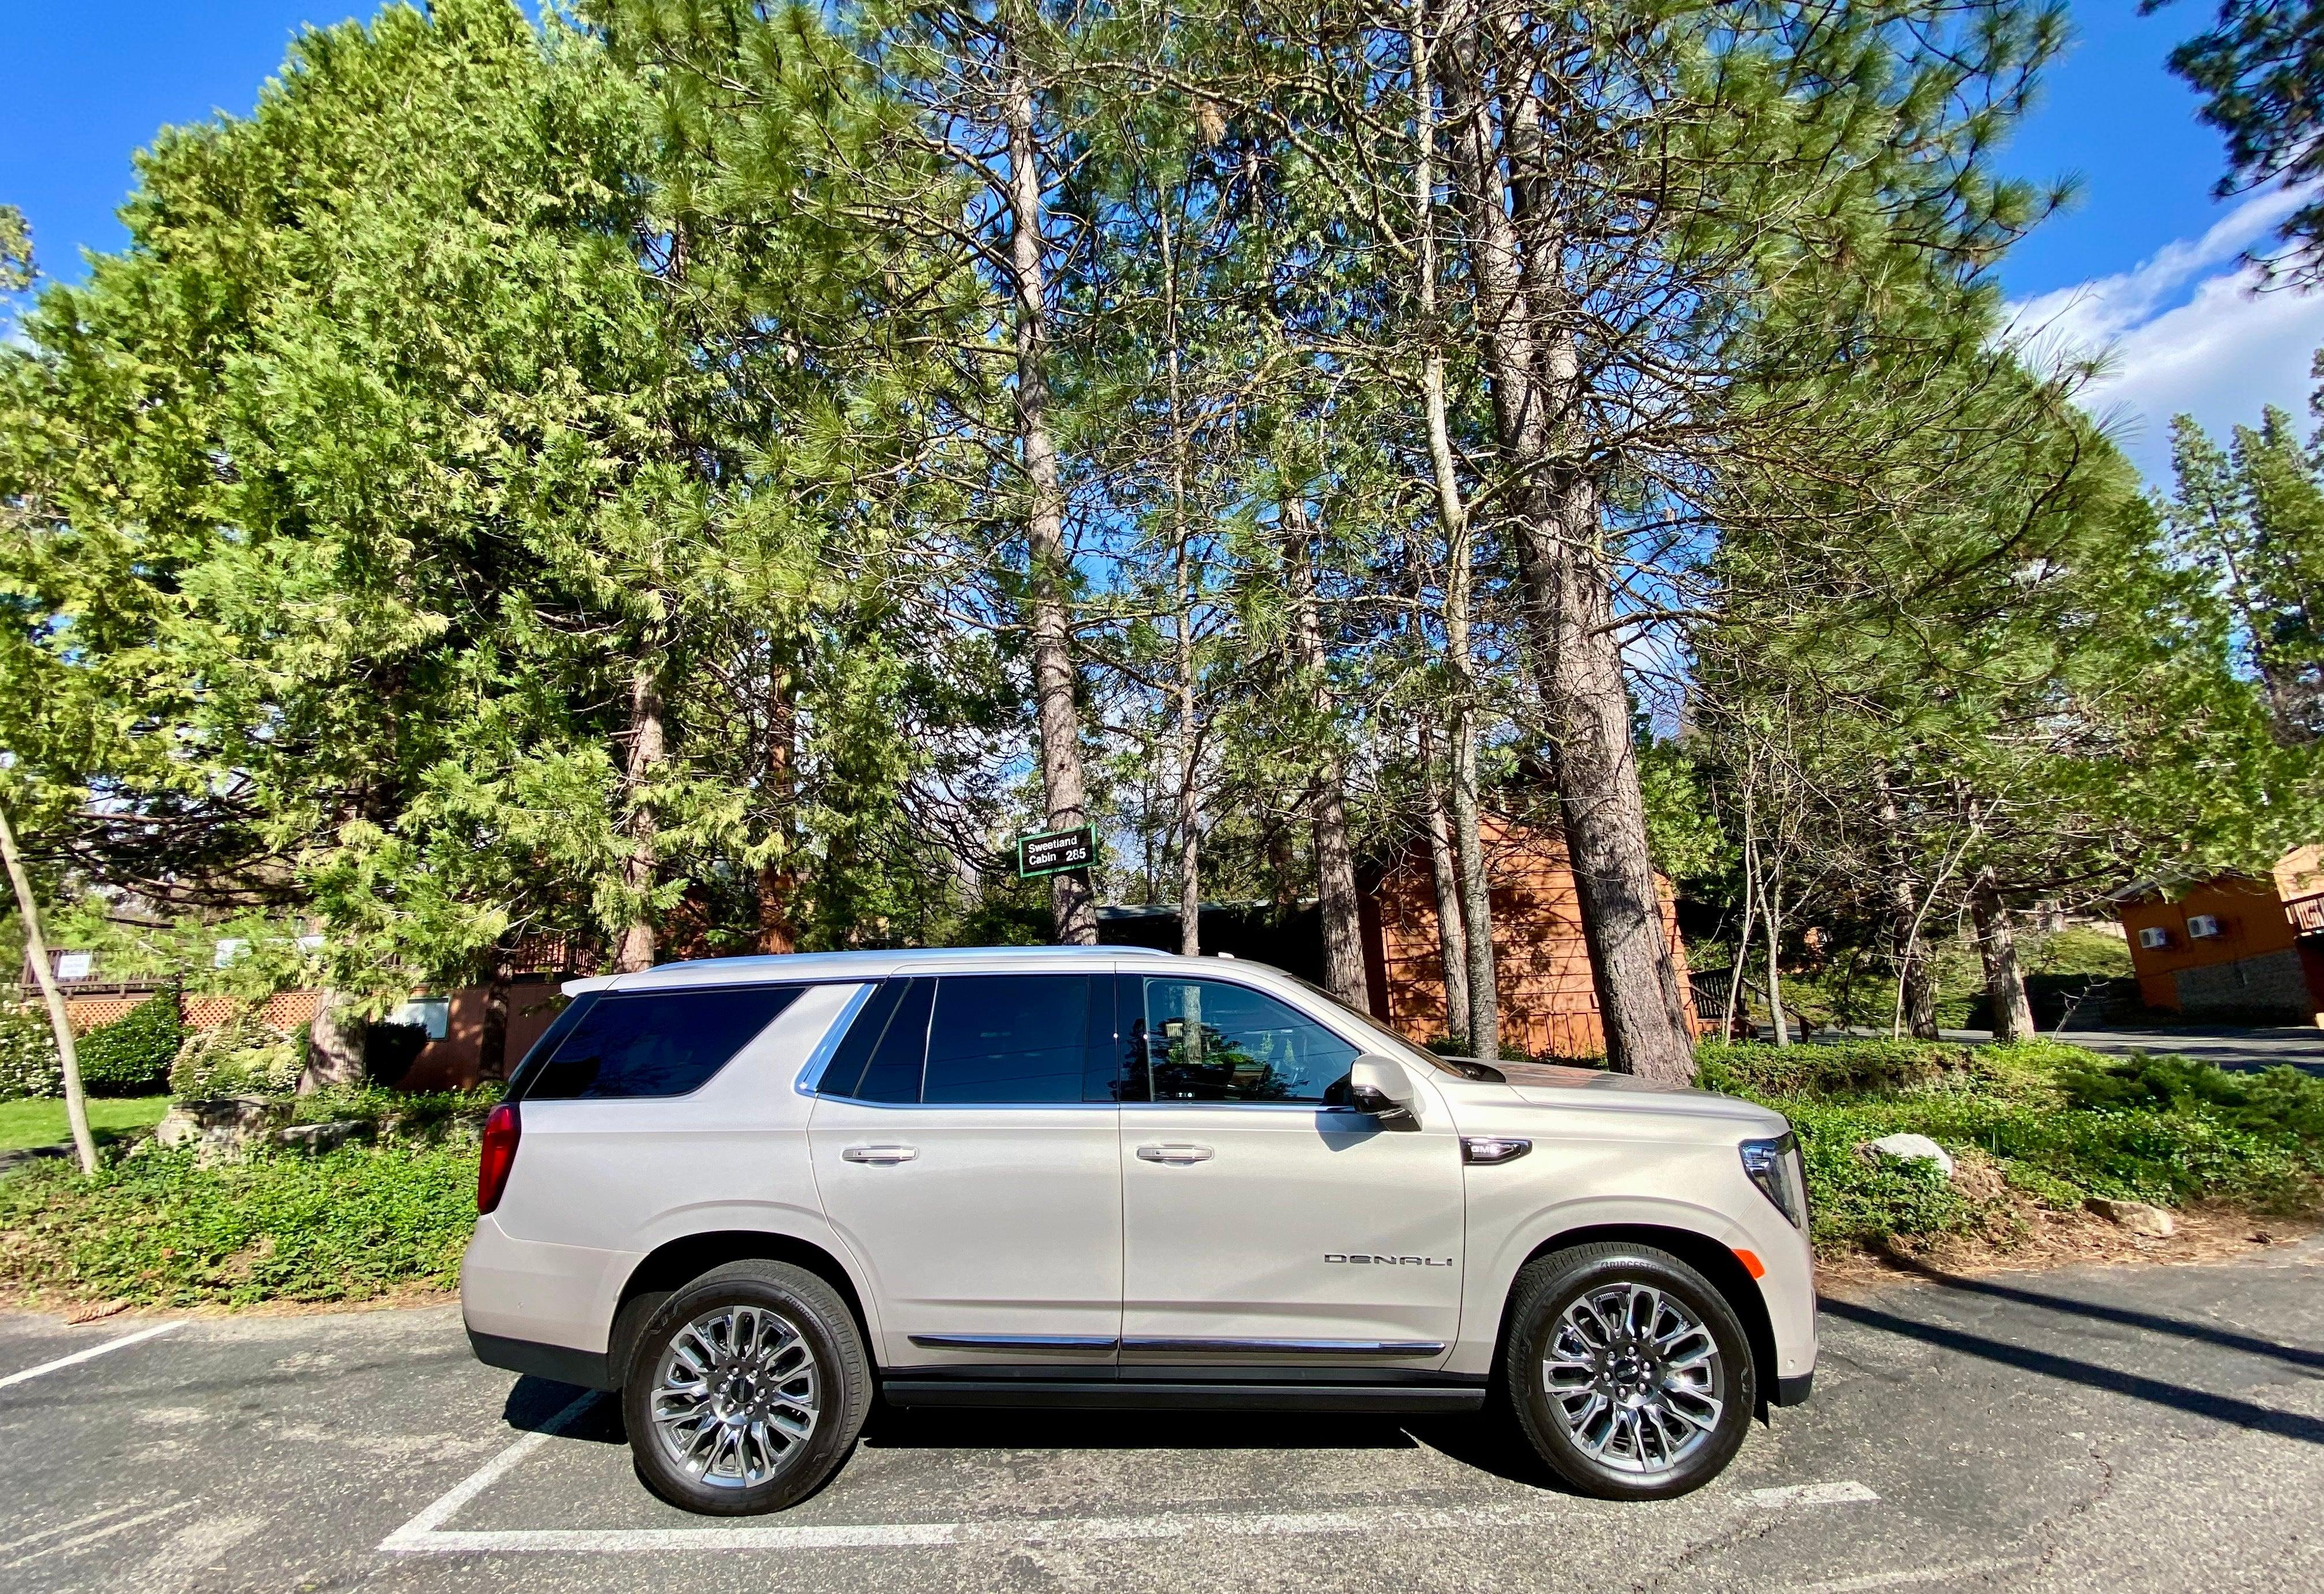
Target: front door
<point x="958" y="1155"/>
<point x="1261" y="1223"/>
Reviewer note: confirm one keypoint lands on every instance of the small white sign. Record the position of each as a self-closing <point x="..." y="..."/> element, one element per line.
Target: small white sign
<point x="76" y="965"/>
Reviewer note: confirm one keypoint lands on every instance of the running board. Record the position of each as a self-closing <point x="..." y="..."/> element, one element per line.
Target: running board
<point x="1407" y="1399"/>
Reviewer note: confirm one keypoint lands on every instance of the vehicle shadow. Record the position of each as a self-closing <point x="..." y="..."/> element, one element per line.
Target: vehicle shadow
<point x="1485" y="1441"/>
<point x="535" y="1405"/>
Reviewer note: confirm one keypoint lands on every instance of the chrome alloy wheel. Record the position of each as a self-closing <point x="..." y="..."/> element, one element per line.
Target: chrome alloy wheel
<point x="1634" y="1378"/>
<point x="736" y="1396"/>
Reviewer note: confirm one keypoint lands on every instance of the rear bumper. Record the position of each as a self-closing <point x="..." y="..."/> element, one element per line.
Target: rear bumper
<point x="560" y="1363"/>
<point x="1791" y="1392"/>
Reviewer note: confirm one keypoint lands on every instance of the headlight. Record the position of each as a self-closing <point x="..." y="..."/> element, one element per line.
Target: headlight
<point x="1776" y="1168"/>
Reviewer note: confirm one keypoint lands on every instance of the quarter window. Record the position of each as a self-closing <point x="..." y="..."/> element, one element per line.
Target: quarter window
<point x="1206" y="1040"/>
<point x="654" y="1043"/>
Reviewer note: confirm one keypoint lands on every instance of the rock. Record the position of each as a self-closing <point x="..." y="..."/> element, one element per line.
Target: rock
<point x="1909" y="1148"/>
<point x="224" y="1128"/>
<point x="2136" y="1217"/>
<point x="320" y="1137"/>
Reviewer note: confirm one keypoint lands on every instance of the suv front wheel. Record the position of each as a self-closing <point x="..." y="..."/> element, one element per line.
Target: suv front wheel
<point x="1628" y="1371"/>
<point x="745" y="1390"/>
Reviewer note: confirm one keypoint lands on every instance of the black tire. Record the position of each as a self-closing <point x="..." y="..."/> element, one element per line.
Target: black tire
<point x="1635" y="1457"/>
<point x="763" y="1465"/>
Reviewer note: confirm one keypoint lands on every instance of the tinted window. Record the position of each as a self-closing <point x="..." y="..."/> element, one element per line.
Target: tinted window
<point x="1203" y="1040"/>
<point x="1008" y="1038"/>
<point x="655" y="1042"/>
<point x="881" y="1057"/>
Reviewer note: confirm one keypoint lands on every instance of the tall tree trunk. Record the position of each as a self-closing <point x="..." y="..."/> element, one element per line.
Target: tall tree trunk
<point x="1190" y="798"/>
<point x="1335" y="862"/>
<point x="1282" y="870"/>
<point x="2005" y="977"/>
<point x="335" y="1043"/>
<point x="36" y="948"/>
<point x="1771" y="898"/>
<point x="492" y="1045"/>
<point x="1915" y="1010"/>
<point x="778" y="876"/>
<point x="1072" y="901"/>
<point x="1481" y="978"/>
<point x="1182" y="582"/>
<point x="1534" y="375"/>
<point x="1743" y="935"/>
<point x="1443" y="873"/>
<point x="642" y="760"/>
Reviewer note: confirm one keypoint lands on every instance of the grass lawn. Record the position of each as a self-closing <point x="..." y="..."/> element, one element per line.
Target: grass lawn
<point x="41" y="1122"/>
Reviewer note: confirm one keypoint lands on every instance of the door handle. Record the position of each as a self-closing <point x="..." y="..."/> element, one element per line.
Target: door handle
<point x="1175" y="1156"/>
<point x="882" y="1154"/>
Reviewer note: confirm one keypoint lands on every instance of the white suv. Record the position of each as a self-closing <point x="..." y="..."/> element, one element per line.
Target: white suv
<point x="753" y="1194"/>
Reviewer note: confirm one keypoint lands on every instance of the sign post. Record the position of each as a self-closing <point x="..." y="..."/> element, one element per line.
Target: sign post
<point x="1056" y="852"/>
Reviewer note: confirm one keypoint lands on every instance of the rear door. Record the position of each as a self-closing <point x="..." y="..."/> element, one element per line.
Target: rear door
<point x="1262" y="1222"/>
<point x="960" y="1155"/>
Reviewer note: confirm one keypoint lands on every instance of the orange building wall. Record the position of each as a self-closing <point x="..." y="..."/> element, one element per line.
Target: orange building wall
<point x="2252" y="923"/>
<point x="1549" y="1004"/>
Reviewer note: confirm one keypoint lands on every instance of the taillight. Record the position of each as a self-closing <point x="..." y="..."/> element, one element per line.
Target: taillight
<point x="500" y="1131"/>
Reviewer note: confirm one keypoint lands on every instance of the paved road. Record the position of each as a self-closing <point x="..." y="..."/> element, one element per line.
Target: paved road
<point x="2107" y="1429"/>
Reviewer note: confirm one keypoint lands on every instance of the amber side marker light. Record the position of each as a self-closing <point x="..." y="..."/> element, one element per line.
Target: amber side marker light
<point x="1752" y="1263"/>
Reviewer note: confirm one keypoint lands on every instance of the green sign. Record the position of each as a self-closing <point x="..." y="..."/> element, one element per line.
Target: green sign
<point x="1056" y="852"/>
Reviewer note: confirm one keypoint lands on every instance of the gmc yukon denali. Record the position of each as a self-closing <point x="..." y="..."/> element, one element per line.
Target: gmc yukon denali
<point x="755" y="1194"/>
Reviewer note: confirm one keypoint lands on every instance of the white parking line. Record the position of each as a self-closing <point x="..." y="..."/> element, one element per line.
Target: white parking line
<point x="413" y="1534"/>
<point x="1811" y="1494"/>
<point x="425" y="1532"/>
<point x="94" y="1351"/>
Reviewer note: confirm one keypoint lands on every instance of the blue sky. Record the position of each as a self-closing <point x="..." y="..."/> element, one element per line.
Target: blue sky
<point x="2144" y="263"/>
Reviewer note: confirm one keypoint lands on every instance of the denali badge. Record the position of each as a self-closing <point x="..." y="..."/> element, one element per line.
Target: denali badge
<point x="1366" y="1257"/>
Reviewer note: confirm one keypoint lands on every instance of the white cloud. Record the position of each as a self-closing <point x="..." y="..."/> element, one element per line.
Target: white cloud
<point x="2184" y="332"/>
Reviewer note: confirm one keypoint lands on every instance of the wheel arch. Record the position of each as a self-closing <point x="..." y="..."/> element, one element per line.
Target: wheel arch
<point x="1708" y="1257"/>
<point x="675" y="1262"/>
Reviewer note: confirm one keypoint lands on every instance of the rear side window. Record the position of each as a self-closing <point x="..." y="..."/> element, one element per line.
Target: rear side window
<point x="653" y="1042"/>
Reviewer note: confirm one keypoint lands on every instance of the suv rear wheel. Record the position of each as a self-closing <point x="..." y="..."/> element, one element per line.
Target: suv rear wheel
<point x="1628" y="1371"/>
<point x="745" y="1389"/>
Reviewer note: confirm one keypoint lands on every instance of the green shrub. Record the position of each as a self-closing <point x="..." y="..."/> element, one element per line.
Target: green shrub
<point x="28" y="1053"/>
<point x="2060" y="1123"/>
<point x="159" y="1228"/>
<point x="1831" y="1069"/>
<point x="244" y="1056"/>
<point x="131" y="1055"/>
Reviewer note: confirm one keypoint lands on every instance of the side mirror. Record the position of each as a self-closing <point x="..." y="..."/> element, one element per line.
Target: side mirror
<point x="1377" y="1086"/>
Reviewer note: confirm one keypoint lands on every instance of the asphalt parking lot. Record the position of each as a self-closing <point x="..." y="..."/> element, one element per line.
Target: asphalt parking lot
<point x="2158" y="1428"/>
